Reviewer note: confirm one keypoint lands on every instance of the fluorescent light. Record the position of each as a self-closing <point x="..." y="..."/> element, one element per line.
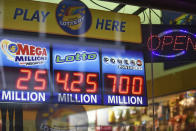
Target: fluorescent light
<point x="49" y="1"/>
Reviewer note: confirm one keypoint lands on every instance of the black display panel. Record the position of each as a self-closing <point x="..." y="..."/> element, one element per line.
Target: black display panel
<point x="123" y="84"/>
<point x="26" y="79"/>
<point x="76" y="82"/>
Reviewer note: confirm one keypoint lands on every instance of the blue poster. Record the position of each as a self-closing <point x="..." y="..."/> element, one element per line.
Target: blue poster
<point x="24" y="53"/>
<point x="25" y="67"/>
<point x="123" y="76"/>
<point x="76" y="75"/>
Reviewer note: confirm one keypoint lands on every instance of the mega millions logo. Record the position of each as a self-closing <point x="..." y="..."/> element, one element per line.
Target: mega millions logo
<point x="23" y="54"/>
<point x="73" y="17"/>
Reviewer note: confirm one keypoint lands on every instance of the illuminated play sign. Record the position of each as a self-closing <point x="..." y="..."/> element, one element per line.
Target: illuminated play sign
<point x="25" y="67"/>
<point x="171" y="43"/>
<point x="123" y="78"/>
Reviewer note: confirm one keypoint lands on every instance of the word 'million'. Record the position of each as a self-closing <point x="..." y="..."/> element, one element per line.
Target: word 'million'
<point x="125" y="100"/>
<point x="77" y="98"/>
<point x="22" y="96"/>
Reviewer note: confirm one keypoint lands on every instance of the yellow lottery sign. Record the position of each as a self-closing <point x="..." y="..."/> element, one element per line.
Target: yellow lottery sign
<point x="71" y="18"/>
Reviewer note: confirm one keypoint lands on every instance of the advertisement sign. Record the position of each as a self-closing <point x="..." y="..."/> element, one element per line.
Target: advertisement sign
<point x="79" y="74"/>
<point x="76" y="75"/>
<point x="70" y="18"/>
<point x="25" y="67"/>
<point x="124" y="78"/>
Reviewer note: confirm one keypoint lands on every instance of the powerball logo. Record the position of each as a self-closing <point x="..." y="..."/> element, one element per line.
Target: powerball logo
<point x="23" y="54"/>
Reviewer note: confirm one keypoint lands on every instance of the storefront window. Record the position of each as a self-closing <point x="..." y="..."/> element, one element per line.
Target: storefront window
<point x="168" y="48"/>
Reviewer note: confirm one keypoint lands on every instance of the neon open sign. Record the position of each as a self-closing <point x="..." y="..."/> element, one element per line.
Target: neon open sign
<point x="171" y="43"/>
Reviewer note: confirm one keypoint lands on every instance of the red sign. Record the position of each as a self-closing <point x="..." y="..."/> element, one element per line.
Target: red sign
<point x="104" y="128"/>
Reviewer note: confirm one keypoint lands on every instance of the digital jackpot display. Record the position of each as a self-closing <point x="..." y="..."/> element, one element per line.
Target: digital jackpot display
<point x="25" y="67"/>
<point x="79" y="74"/>
<point x="76" y="75"/>
<point x="123" y="78"/>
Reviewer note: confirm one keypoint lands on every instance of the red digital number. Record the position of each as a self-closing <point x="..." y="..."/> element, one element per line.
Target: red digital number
<point x="41" y="80"/>
<point x="81" y="79"/>
<point x="28" y="73"/>
<point x="28" y="76"/>
<point x="75" y="81"/>
<point x="127" y="78"/>
<point x="64" y="81"/>
<point x="114" y="77"/>
<point x="93" y="83"/>
<point x="124" y="81"/>
<point x="141" y="81"/>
